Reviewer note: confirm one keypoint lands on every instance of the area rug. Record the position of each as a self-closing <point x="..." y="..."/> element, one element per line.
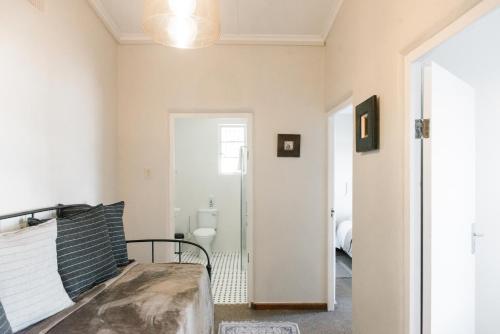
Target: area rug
<point x="258" y="328"/>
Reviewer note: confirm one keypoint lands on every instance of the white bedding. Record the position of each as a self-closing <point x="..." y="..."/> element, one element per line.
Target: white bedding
<point x="344" y="236"/>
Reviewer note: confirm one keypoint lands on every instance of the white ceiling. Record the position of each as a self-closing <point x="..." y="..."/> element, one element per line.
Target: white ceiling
<point x="295" y="22"/>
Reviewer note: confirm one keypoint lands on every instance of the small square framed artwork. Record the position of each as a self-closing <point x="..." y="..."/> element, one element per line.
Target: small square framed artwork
<point x="288" y="146"/>
<point x="367" y="125"/>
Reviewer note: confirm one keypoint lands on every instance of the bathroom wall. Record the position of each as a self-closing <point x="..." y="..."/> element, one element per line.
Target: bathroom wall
<point x="197" y="178"/>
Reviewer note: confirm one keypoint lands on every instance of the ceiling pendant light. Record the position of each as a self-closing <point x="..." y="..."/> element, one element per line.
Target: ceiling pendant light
<point x="186" y="24"/>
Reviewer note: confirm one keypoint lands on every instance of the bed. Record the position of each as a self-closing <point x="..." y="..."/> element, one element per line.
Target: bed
<point x="145" y="298"/>
<point x="344" y="236"/>
<point x="167" y="298"/>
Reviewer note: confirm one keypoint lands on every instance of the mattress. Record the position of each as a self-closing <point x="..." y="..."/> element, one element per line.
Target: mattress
<point x="145" y="298"/>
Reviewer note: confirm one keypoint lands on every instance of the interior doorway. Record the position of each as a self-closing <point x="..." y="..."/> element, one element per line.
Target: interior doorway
<point x="340" y="173"/>
<point x="454" y="163"/>
<point x="211" y="197"/>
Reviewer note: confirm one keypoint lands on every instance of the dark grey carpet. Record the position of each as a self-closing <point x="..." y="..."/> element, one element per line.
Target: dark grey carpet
<point x="310" y="322"/>
<point x="344" y="265"/>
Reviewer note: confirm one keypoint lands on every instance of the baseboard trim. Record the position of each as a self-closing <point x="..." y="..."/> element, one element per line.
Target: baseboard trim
<point x="289" y="306"/>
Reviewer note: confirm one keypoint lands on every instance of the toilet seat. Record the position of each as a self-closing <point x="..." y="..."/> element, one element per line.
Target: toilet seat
<point x="204" y="232"/>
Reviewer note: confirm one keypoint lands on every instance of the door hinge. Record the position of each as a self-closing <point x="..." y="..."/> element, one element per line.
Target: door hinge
<point x="422" y="128"/>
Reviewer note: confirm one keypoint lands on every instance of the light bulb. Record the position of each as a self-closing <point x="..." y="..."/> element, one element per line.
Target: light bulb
<point x="182" y="30"/>
<point x="182" y="23"/>
<point x="182" y="8"/>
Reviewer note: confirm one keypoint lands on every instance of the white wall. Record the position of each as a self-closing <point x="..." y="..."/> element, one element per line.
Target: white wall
<point x="364" y="56"/>
<point x="58" y="106"/>
<point x="343" y="151"/>
<point x="473" y="56"/>
<point x="197" y="178"/>
<point x="283" y="87"/>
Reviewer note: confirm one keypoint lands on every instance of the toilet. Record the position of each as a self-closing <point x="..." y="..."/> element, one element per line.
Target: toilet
<point x="206" y="231"/>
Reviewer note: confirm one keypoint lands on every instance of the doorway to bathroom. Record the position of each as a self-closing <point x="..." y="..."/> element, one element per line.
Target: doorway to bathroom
<point x="211" y="187"/>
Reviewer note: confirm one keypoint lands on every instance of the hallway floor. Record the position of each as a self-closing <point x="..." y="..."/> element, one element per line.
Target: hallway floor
<point x="310" y="322"/>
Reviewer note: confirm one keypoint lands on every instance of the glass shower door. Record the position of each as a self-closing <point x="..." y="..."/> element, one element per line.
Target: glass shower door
<point x="243" y="209"/>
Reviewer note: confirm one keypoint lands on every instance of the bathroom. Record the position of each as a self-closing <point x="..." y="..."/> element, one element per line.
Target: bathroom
<point x="210" y="198"/>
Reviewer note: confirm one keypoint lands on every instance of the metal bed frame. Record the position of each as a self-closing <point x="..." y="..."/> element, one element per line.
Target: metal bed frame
<point x="57" y="208"/>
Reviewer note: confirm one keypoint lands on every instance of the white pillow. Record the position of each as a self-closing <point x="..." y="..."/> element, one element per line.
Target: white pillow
<point x="30" y="286"/>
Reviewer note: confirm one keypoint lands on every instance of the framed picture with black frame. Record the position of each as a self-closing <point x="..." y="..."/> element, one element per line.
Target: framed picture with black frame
<point x="288" y="146"/>
<point x="367" y="125"/>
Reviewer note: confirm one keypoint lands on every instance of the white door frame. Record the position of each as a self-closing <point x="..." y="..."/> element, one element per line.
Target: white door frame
<point x="331" y="240"/>
<point x="241" y="114"/>
<point x="411" y="106"/>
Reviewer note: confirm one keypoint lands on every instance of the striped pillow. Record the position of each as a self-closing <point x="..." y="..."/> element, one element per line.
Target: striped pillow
<point x="30" y="286"/>
<point x="84" y="253"/>
<point x="114" y="222"/>
<point x="4" y="323"/>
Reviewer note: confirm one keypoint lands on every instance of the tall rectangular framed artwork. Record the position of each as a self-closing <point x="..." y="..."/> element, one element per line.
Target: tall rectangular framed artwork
<point x="367" y="125"/>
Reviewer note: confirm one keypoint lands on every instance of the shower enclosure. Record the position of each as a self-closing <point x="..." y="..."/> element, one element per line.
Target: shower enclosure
<point x="243" y="208"/>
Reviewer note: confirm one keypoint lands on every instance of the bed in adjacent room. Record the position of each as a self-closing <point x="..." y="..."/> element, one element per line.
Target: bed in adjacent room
<point x="344" y="236"/>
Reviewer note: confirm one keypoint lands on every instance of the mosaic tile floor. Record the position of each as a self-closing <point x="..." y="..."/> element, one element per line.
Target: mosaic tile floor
<point x="229" y="282"/>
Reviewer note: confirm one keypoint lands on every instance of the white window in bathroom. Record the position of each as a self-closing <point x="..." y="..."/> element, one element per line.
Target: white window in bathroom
<point x="232" y="137"/>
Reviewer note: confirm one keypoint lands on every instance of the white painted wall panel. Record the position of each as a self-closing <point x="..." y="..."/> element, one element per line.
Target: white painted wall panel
<point x="57" y="106"/>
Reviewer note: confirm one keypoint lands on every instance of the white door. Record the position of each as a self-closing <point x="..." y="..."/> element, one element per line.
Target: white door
<point x="331" y="258"/>
<point x="448" y="204"/>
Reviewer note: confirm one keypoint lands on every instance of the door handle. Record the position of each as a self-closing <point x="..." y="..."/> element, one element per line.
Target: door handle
<point x="474" y="236"/>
